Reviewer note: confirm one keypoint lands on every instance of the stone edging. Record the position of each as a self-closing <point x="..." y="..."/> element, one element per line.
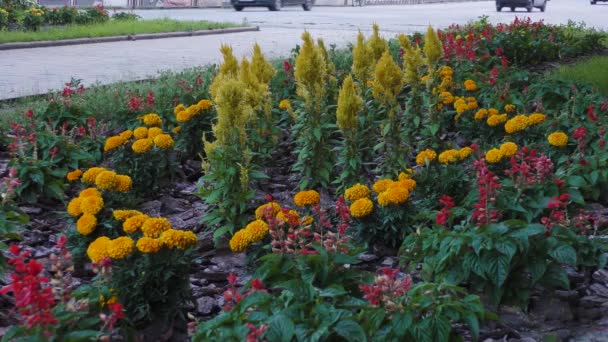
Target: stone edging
<point x="78" y="41"/>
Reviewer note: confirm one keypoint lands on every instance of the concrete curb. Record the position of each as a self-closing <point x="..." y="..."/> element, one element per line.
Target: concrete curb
<point x="48" y="43"/>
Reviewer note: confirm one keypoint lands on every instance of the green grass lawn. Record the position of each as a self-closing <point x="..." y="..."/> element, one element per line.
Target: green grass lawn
<point x="593" y="71"/>
<point x="111" y="28"/>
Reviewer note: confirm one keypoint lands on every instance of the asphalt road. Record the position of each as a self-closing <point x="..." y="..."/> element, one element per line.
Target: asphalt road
<point x="39" y="70"/>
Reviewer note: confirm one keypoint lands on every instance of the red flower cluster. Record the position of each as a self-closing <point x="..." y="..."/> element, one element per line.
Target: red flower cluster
<point x="232" y="296"/>
<point x="255" y="333"/>
<point x="558" y="214"/>
<point x="33" y="294"/>
<point x="386" y="289"/>
<point x="444" y="214"/>
<point x="528" y="168"/>
<point x="487" y="185"/>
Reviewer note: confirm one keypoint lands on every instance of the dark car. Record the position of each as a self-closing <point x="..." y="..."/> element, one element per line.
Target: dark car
<point x="273" y="5"/>
<point x="593" y="2"/>
<point x="528" y="4"/>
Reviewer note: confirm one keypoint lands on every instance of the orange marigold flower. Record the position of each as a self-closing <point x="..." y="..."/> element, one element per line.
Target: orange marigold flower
<point x="105" y="180"/>
<point x="306" y="198"/>
<point x="98" y="249"/>
<point x="464" y="152"/>
<point x="91" y="205"/>
<point x="426" y="156"/>
<point x="122" y="215"/>
<point x="133" y="223"/>
<point x="153" y="227"/>
<point x="204" y="104"/>
<point x="494" y="156"/>
<point x="89" y="175"/>
<point x="258" y="229"/>
<point x="470" y="85"/>
<point x="86" y="224"/>
<point x="508" y="149"/>
<point x="74" y="207"/>
<point x="239" y="242"/>
<point x="149" y="245"/>
<point x="396" y="195"/>
<point x="152" y="120"/>
<point x="381" y="185"/>
<point x="558" y="139"/>
<point x="448" y="156"/>
<point x="113" y="142"/>
<point x="153" y="132"/>
<point x="361" y="207"/>
<point x="163" y="141"/>
<point x="142" y="145"/>
<point x="140" y="133"/>
<point x="356" y="192"/>
<point x="88" y="192"/>
<point x="120" y="247"/>
<point x="268" y="209"/>
<point x="123" y="183"/>
<point x="74" y="175"/>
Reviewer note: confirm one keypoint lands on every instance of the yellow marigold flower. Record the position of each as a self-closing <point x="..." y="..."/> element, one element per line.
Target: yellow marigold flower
<point x="120" y="247"/>
<point x="189" y="239"/>
<point x="405" y="175"/>
<point x="516" y="124"/>
<point x="239" y="242"/>
<point x="153" y="227"/>
<point x="446" y="71"/>
<point x="424" y="78"/>
<point x="464" y="152"/>
<point x="258" y="229"/>
<point x="86" y="224"/>
<point x="426" y="156"/>
<point x="177" y="129"/>
<point x="493" y="156"/>
<point x="509" y="108"/>
<point x="461" y="108"/>
<point x="472" y="104"/>
<point x="356" y="192"/>
<point x="123" y="183"/>
<point x="536" y="118"/>
<point x="91" y="205"/>
<point x="448" y="156"/>
<point x="88" y="192"/>
<point x="105" y="180"/>
<point x="133" y="223"/>
<point x="180" y="107"/>
<point x="306" y="198"/>
<point x="492" y="111"/>
<point x="74" y="207"/>
<point x="284" y="104"/>
<point x="558" y="139"/>
<point x="140" y="133"/>
<point x="307" y="220"/>
<point x="153" y="132"/>
<point x="128" y="134"/>
<point x="361" y="207"/>
<point x="193" y="110"/>
<point x="496" y="120"/>
<point x="369" y="83"/>
<point x="149" y="245"/>
<point x="470" y="85"/>
<point x="481" y="114"/>
<point x="409" y="184"/>
<point x="164" y="141"/>
<point x="89" y="175"/>
<point x="113" y="143"/>
<point x="74" y="175"/>
<point x="291" y="215"/>
<point x="183" y="116"/>
<point x="98" y="249"/>
<point x="152" y="120"/>
<point x="508" y="149"/>
<point x="270" y="208"/>
<point x="204" y="104"/>
<point x="178" y="238"/>
<point x="446" y="97"/>
<point x="396" y="195"/>
<point x="142" y="145"/>
<point x="122" y="215"/>
<point x="381" y="185"/>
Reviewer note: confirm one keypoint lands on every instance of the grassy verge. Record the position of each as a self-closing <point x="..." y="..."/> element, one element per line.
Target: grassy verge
<point x="593" y="71"/>
<point x="111" y="28"/>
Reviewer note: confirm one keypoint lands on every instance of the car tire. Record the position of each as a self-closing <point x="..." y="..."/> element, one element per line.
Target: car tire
<point x="276" y="5"/>
<point x="307" y="5"/>
<point x="529" y="8"/>
<point x="593" y="2"/>
<point x="238" y="8"/>
<point x="542" y="8"/>
<point x="512" y="9"/>
<point x="498" y="8"/>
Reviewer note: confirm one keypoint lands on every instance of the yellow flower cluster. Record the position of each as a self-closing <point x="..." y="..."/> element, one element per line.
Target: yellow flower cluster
<point x="382" y="185"/>
<point x="426" y="156"/>
<point x="98" y="249"/>
<point x="506" y="150"/>
<point x="37" y="12"/>
<point x="153" y="132"/>
<point x="154" y="227"/>
<point x="133" y="223"/>
<point x="393" y="195"/>
<point x="306" y="198"/>
<point x="121" y="215"/>
<point x="464" y="152"/>
<point x="270" y="209"/>
<point x="470" y="85"/>
<point x="356" y="192"/>
<point x="140" y="133"/>
<point x="89" y="175"/>
<point x="535" y="119"/>
<point x="462" y="104"/>
<point x="142" y="145"/>
<point x="120" y="248"/>
<point x="284" y="104"/>
<point x="163" y="141"/>
<point x="74" y="175"/>
<point x="493" y="156"/>
<point x="389" y="192"/>
<point x="121" y="139"/>
<point x="253" y="232"/>
<point x="516" y="124"/>
<point x="510" y="108"/>
<point x="106" y="179"/>
<point x="185" y="114"/>
<point x="88" y="203"/>
<point x="495" y="120"/>
<point x="558" y="139"/>
<point x="152" y="120"/>
<point x="361" y="207"/>
<point x="448" y="156"/>
<point x="180" y="239"/>
<point x="149" y="245"/>
<point x="446" y="97"/>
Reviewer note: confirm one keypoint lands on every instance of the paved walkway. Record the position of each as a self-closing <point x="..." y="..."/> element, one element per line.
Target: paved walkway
<point x="35" y="71"/>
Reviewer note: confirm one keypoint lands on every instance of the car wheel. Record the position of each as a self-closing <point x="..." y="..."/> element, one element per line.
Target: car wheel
<point x="276" y="6"/>
<point x="512" y="9"/>
<point x="593" y="2"/>
<point x="542" y="8"/>
<point x="238" y="8"/>
<point x="498" y="8"/>
<point x="307" y="5"/>
<point x="529" y="8"/>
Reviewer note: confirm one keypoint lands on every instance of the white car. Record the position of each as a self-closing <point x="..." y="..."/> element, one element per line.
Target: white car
<point x="528" y="4"/>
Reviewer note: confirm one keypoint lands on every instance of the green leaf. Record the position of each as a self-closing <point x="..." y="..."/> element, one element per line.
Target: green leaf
<point x="218" y="233"/>
<point x="496" y="268"/>
<point x="506" y="247"/>
<point x="401" y="323"/>
<point x="473" y="324"/>
<point x="564" y="254"/>
<point x="81" y="335"/>
<point x="537" y="269"/>
<point x="350" y="330"/>
<point x="281" y="328"/>
<point x="333" y="291"/>
<point x="577" y="181"/>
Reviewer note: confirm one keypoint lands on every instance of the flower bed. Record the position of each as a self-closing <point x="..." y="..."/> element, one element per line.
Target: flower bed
<point x="440" y="149"/>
